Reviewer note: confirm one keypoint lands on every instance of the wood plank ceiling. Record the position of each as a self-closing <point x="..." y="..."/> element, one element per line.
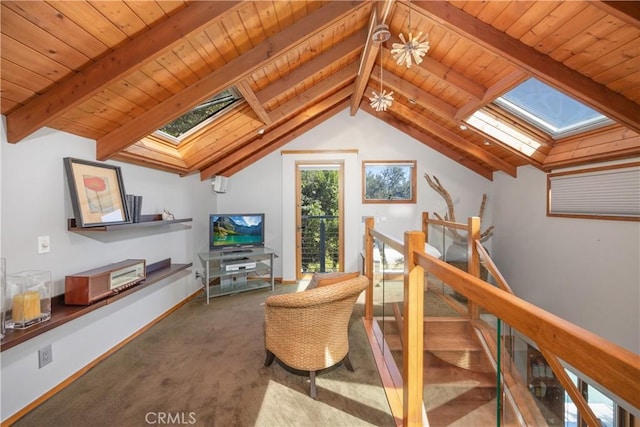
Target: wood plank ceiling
<point x="116" y="71"/>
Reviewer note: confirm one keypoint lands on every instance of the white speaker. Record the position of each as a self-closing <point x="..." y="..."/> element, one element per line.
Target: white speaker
<point x="219" y="183"/>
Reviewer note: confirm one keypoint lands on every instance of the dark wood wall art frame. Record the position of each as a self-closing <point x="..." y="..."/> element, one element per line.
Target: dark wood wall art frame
<point x="377" y="168"/>
<point x="97" y="193"/>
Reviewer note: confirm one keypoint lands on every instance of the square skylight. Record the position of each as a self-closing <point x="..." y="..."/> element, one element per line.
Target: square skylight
<point x="550" y="110"/>
<point x="199" y="116"/>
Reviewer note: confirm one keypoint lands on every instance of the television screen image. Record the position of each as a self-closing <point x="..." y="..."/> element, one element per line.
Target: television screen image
<point x="236" y="230"/>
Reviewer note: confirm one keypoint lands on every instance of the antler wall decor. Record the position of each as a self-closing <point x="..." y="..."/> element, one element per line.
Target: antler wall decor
<point x="451" y="215"/>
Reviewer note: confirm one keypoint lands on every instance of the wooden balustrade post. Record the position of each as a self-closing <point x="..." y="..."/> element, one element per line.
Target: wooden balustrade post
<point x="413" y="331"/>
<point x="425" y="225"/>
<point x="369" y="223"/>
<point x="473" y="259"/>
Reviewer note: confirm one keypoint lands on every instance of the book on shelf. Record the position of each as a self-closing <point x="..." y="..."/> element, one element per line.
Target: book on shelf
<point x="134" y="207"/>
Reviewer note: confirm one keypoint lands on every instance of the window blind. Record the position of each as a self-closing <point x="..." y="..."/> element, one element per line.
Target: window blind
<point x="604" y="192"/>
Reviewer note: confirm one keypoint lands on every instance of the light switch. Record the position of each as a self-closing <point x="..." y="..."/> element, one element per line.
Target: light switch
<point x="43" y="244"/>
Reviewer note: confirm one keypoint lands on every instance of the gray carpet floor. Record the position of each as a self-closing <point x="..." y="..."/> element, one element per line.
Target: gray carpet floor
<point x="203" y="366"/>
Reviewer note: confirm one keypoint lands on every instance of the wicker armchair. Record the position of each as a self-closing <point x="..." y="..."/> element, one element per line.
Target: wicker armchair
<point x="308" y="330"/>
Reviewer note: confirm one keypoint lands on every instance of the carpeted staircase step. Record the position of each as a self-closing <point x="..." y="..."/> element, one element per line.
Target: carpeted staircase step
<point x="439" y="372"/>
<point x="451" y="339"/>
<point x="440" y="334"/>
<point x="453" y="394"/>
<point x="455" y="341"/>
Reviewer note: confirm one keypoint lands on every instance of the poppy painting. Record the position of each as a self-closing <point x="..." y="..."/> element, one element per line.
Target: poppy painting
<point x="97" y="193"/>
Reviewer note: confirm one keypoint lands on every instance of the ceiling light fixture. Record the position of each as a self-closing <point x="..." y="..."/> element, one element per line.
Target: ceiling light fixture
<point x="382" y="100"/>
<point x="381" y="33"/>
<point x="411" y="48"/>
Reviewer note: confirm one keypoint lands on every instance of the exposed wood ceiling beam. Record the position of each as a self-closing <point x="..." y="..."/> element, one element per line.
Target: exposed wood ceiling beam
<point x="222" y="78"/>
<point x="256" y="150"/>
<point x="542" y="66"/>
<point x="257" y="155"/>
<point x="249" y="95"/>
<point x="431" y="142"/>
<point x="234" y="132"/>
<point x="422" y="98"/>
<point x="384" y="9"/>
<point x="454" y="139"/>
<point x="379" y="16"/>
<point x="151" y="150"/>
<point x="447" y="112"/>
<point x="72" y="92"/>
<point x="309" y="69"/>
<point x="627" y="11"/>
<point x="449" y="76"/>
<point x="318" y="91"/>
<point x="502" y="86"/>
<point x="367" y="59"/>
<point x="145" y="157"/>
<point x="286" y="113"/>
<point x="612" y="144"/>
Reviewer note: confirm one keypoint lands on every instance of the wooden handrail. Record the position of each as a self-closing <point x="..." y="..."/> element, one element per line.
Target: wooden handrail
<point x="577" y="397"/>
<point x="611" y="366"/>
<point x="387" y="240"/>
<point x="552" y="360"/>
<point x="491" y="267"/>
<point x="430" y="221"/>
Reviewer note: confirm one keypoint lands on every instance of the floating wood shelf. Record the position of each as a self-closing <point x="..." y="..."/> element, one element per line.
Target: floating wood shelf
<point x="154" y="220"/>
<point x="62" y="313"/>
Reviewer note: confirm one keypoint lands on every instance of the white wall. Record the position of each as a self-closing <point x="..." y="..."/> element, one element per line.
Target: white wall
<point x="260" y="187"/>
<point x="35" y="202"/>
<point x="590" y="274"/>
<point x="584" y="270"/>
<point x="256" y="189"/>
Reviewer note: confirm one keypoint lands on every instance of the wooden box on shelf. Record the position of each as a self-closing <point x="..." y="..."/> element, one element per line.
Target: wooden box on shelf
<point x="93" y="285"/>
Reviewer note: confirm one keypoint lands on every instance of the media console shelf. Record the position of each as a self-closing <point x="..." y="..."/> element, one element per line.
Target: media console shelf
<point x="229" y="272"/>
<point x="153" y="220"/>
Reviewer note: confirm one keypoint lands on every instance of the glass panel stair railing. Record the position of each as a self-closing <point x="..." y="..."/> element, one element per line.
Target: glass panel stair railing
<point x="459" y="375"/>
<point x="474" y="368"/>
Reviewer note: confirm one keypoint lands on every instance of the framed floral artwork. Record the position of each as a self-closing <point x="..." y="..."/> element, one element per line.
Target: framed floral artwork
<point x="97" y="193"/>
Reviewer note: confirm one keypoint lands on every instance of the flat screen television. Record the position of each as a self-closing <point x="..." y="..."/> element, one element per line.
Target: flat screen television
<point x="240" y="231"/>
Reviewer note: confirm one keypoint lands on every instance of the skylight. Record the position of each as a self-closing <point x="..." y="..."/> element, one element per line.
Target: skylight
<point x="200" y="115"/>
<point x="503" y="132"/>
<point x="550" y="110"/>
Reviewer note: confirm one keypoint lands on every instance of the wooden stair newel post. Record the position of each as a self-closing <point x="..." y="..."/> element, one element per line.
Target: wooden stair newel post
<point x="425" y="225"/>
<point x="473" y="260"/>
<point x="369" y="223"/>
<point x="413" y="331"/>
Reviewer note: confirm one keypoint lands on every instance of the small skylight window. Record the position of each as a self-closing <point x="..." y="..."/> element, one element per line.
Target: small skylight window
<point x="503" y="132"/>
<point x="550" y="110"/>
<point x="202" y="114"/>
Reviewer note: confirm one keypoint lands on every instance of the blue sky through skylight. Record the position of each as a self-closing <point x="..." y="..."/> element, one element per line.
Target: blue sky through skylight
<point x="549" y="109"/>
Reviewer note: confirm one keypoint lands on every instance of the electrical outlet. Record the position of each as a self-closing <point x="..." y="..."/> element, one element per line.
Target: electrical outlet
<point x="45" y="356"/>
<point x="43" y="244"/>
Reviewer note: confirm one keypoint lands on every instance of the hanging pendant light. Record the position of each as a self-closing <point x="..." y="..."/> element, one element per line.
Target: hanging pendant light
<point x="411" y="48"/>
<point x="382" y="100"/>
